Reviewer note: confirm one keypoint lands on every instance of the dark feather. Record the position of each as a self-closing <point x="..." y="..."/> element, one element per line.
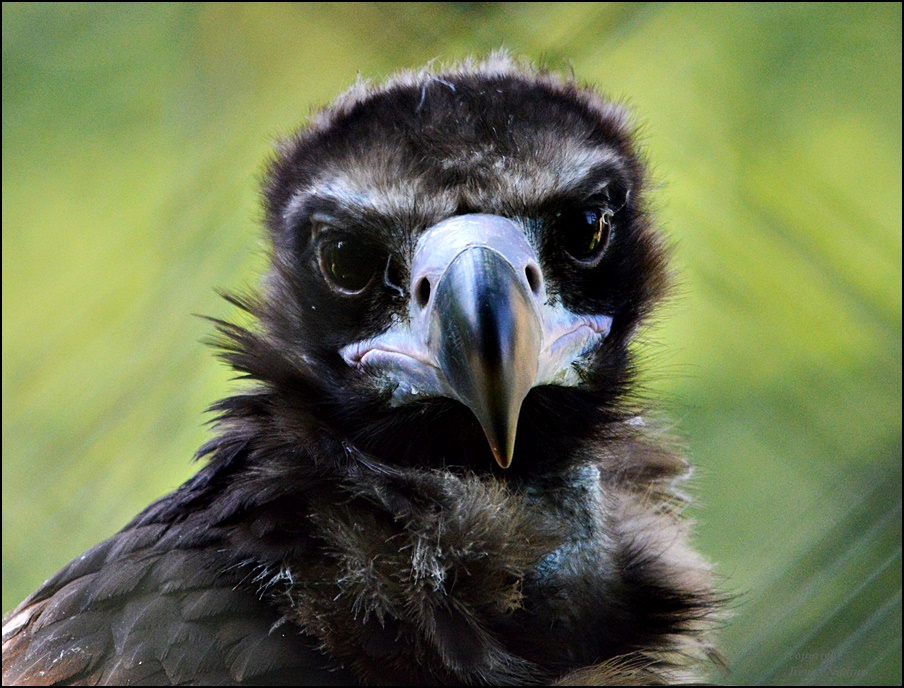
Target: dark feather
<point x="335" y="535"/>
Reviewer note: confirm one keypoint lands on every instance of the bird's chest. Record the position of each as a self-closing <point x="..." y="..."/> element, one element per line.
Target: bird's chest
<point x="475" y="580"/>
<point x="577" y="507"/>
<point x="571" y="592"/>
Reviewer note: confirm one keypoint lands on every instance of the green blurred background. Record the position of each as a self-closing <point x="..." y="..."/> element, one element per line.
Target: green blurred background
<point x="133" y="142"/>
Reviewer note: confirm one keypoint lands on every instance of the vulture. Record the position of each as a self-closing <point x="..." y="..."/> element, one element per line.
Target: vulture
<point x="441" y="469"/>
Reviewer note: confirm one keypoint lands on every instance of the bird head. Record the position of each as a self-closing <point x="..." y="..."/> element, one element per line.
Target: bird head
<point x="460" y="259"/>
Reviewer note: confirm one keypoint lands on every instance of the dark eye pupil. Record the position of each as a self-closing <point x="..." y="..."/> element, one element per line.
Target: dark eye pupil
<point x="585" y="232"/>
<point x="347" y="265"/>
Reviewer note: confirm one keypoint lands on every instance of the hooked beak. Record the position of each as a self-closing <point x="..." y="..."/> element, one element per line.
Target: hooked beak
<point x="480" y="327"/>
<point x="485" y="331"/>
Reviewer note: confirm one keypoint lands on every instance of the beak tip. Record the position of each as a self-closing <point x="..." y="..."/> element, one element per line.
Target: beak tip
<point x="503" y="458"/>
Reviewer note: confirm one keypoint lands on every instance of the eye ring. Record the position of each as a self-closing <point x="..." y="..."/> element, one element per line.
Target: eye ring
<point x="348" y="266"/>
<point x="585" y="233"/>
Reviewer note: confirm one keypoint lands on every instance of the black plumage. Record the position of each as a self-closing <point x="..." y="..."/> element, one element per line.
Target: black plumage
<point x="440" y="472"/>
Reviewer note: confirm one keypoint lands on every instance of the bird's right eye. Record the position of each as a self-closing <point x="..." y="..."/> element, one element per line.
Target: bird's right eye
<point x="347" y="265"/>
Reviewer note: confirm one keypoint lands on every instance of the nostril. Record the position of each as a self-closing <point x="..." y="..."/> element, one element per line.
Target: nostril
<point x="422" y="293"/>
<point x="533" y="278"/>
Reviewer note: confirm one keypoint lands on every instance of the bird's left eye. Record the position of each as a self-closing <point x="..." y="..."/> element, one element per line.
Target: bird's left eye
<point x="349" y="266"/>
<point x="584" y="233"/>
